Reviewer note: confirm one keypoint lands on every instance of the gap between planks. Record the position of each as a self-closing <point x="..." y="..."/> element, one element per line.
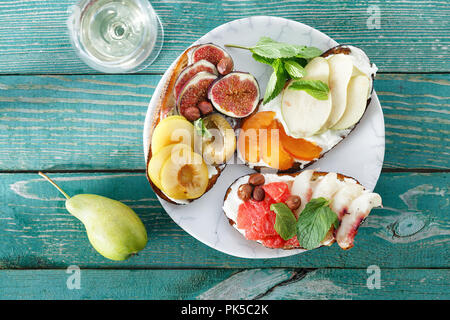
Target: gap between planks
<point x="224" y="268"/>
<point x="384" y="170"/>
<point x="162" y="73"/>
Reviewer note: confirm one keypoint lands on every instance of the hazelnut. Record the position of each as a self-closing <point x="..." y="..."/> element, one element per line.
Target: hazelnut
<point x="225" y="66"/>
<point x="256" y="179"/>
<point x="258" y="193"/>
<point x="191" y="113"/>
<point x="245" y="192"/>
<point x="205" y="107"/>
<point x="293" y="202"/>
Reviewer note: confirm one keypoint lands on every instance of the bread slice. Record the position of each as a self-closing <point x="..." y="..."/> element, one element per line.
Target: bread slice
<point x="329" y="239"/>
<point x="166" y="107"/>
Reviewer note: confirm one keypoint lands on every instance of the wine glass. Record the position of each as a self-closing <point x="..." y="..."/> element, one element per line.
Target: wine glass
<point x="115" y="36"/>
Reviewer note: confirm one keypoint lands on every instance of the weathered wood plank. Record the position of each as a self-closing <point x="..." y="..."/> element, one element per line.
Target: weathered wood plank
<point x="412" y="230"/>
<point x="95" y="122"/>
<point x="226" y="284"/>
<point x="412" y="35"/>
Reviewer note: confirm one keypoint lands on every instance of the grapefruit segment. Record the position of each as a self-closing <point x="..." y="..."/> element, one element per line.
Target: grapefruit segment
<point x="278" y="191"/>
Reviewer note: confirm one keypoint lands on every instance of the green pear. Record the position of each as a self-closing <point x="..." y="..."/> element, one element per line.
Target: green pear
<point x="112" y="227"/>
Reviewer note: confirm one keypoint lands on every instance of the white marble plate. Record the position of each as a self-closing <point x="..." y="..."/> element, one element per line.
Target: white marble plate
<point x="360" y="155"/>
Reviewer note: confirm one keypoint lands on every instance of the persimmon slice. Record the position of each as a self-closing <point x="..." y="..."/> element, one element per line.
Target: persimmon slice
<point x="248" y="141"/>
<point x="298" y="148"/>
<point x="272" y="150"/>
<point x="259" y="120"/>
<point x="264" y="137"/>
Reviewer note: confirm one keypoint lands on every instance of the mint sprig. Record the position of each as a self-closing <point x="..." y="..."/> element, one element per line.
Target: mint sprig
<point x="312" y="225"/>
<point x="287" y="61"/>
<point x="276" y="81"/>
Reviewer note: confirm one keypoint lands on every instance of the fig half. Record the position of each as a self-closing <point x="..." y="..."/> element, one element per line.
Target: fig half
<point x="194" y="91"/>
<point x="235" y="95"/>
<point x="211" y="53"/>
<point x="190" y="71"/>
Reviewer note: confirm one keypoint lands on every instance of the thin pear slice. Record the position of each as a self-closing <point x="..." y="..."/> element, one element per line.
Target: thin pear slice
<point x="318" y="69"/>
<point x="341" y="69"/>
<point x="356" y="102"/>
<point x="303" y="114"/>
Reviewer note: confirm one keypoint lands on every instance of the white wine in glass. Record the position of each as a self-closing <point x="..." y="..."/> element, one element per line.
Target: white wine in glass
<point x="116" y="36"/>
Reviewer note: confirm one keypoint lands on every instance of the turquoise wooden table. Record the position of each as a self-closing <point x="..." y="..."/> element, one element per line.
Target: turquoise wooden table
<point x="85" y="129"/>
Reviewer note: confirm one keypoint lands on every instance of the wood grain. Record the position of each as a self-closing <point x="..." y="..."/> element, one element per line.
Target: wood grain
<point x="90" y="126"/>
<point x="95" y="122"/>
<point x="226" y="284"/>
<point x="36" y="231"/>
<point x="412" y="35"/>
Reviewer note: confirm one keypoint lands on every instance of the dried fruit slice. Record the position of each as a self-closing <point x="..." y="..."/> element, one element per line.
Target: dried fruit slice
<point x="299" y="148"/>
<point x="195" y="91"/>
<point x="209" y="52"/>
<point x="190" y="71"/>
<point x="184" y="175"/>
<point x="272" y="152"/>
<point x="235" y="95"/>
<point x="259" y="120"/>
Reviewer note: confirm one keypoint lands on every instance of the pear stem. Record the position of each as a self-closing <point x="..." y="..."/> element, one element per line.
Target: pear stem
<point x="54" y="184"/>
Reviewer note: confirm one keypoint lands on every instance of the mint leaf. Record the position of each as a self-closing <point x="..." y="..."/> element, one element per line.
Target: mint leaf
<point x="269" y="48"/>
<point x="316" y="88"/>
<point x="201" y="129"/>
<point x="262" y="59"/>
<point x="294" y="69"/>
<point x="276" y="81"/>
<point x="285" y="222"/>
<point x="336" y="224"/>
<point x="314" y="222"/>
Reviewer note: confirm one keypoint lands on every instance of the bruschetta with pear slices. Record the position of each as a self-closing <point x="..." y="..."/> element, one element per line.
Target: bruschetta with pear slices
<point x="297" y="127"/>
<point x="301" y="210"/>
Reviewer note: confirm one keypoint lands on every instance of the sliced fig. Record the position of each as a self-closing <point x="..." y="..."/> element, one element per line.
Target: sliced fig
<point x="235" y="95"/>
<point x="194" y="91"/>
<point x="211" y="53"/>
<point x="190" y="71"/>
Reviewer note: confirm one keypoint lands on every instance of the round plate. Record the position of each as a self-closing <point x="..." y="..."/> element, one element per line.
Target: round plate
<point x="360" y="155"/>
